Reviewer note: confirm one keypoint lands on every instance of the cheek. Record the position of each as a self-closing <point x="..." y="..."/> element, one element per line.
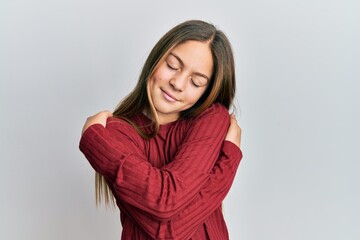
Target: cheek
<point x="153" y="78"/>
<point x="155" y="81"/>
<point x="153" y="84"/>
<point x="160" y="75"/>
<point x="195" y="95"/>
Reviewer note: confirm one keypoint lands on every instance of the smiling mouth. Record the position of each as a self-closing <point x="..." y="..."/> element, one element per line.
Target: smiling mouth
<point x="169" y="97"/>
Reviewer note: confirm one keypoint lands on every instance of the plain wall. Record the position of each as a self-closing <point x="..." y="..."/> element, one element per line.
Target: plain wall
<point x="298" y="102"/>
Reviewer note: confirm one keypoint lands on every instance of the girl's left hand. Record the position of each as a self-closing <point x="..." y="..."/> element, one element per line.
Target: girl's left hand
<point x="234" y="132"/>
<point x="100" y="117"/>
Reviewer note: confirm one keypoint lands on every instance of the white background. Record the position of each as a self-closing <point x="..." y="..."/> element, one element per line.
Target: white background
<point x="298" y="101"/>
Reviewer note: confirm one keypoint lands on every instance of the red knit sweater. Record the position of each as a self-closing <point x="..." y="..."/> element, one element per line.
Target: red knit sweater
<point x="171" y="186"/>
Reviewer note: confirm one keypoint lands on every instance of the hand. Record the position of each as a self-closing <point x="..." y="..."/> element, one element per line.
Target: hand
<point x="100" y="117"/>
<point x="234" y="132"/>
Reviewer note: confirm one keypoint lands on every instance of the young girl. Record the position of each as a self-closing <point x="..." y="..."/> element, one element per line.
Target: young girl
<point x="170" y="151"/>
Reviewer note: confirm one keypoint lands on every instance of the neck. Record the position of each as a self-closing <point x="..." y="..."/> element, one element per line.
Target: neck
<point x="166" y="119"/>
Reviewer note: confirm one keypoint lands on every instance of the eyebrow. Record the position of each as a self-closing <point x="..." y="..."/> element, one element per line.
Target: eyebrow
<point x="182" y="65"/>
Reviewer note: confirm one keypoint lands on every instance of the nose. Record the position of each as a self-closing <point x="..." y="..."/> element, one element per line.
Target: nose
<point x="178" y="82"/>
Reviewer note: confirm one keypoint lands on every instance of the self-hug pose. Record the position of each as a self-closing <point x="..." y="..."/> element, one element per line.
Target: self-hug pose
<point x="169" y="152"/>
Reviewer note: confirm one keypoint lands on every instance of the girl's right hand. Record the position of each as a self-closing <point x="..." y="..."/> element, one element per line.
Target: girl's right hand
<point x="100" y="117"/>
<point x="234" y="132"/>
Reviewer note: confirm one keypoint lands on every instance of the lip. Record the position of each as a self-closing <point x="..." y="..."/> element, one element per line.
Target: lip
<point x="168" y="96"/>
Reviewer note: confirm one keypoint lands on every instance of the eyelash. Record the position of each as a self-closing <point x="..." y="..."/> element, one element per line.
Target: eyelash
<point x="192" y="81"/>
<point x="169" y="66"/>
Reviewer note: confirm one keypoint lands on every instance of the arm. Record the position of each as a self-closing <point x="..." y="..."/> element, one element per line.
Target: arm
<point x="206" y="201"/>
<point x="164" y="192"/>
<point x="213" y="193"/>
<point x="104" y="148"/>
<point x="160" y="192"/>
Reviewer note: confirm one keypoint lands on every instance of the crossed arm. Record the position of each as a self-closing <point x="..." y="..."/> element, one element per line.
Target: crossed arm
<point x="170" y="196"/>
<point x="193" y="214"/>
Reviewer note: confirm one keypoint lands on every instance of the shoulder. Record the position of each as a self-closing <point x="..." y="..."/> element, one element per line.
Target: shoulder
<point x="216" y="115"/>
<point x="212" y="123"/>
<point x="216" y="112"/>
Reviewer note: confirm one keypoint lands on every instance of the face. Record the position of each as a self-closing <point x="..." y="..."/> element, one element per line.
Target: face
<point x="180" y="79"/>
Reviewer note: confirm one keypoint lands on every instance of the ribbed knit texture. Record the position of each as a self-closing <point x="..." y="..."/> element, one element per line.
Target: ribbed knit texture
<point x="171" y="186"/>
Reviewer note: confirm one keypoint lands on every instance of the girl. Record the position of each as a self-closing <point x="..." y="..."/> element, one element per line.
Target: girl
<point x="170" y="151"/>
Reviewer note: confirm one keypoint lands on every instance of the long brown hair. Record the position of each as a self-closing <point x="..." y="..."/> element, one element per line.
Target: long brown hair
<point x="220" y="90"/>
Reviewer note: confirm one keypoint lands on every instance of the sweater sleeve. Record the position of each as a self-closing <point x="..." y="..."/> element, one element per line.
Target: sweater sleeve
<point x="206" y="201"/>
<point x="160" y="192"/>
<point x="211" y="195"/>
<point x="105" y="150"/>
<point x="164" y="192"/>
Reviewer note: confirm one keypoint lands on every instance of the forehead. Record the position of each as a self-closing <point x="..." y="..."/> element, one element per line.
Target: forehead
<point x="195" y="55"/>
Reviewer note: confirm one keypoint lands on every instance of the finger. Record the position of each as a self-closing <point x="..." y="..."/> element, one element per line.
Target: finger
<point x="108" y="113"/>
<point x="105" y="113"/>
<point x="233" y="118"/>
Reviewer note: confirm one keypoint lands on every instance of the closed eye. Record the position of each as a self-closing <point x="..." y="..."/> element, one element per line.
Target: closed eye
<point x="194" y="83"/>
<point x="171" y="67"/>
